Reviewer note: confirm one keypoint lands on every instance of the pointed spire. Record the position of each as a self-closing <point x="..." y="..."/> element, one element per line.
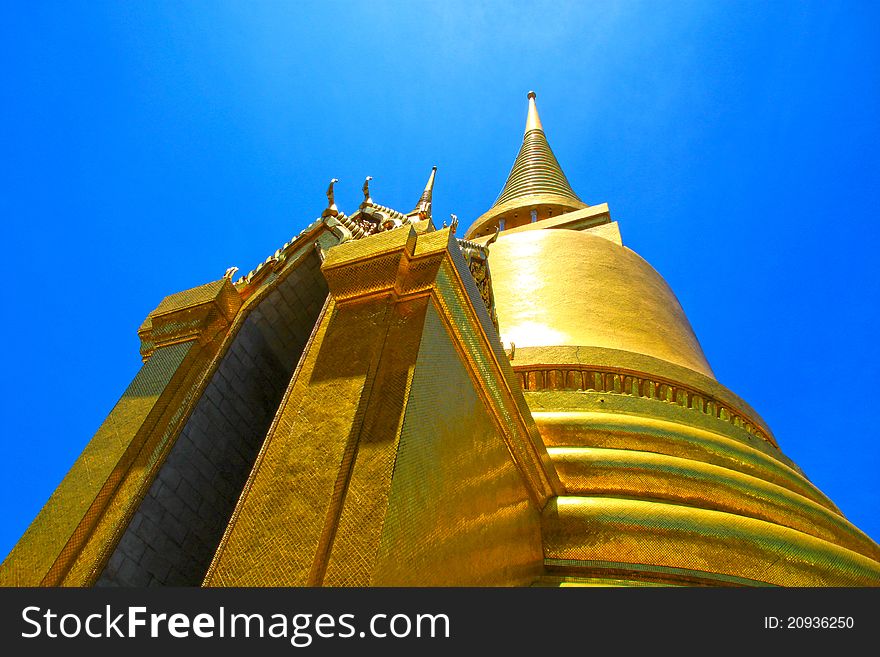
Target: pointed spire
<point x="533" y="122"/>
<point x="423" y="207"/>
<point x="536" y="188"/>
<point x="536" y="170"/>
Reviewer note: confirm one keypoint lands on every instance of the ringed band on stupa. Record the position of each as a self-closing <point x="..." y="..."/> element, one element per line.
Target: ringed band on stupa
<point x="379" y="403"/>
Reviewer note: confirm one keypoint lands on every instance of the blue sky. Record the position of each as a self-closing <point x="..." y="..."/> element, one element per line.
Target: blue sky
<point x="149" y="146"/>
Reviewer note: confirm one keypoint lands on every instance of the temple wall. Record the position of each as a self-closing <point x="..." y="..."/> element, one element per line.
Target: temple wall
<point x="458" y="512"/>
<point x="175" y="530"/>
<point x="401" y="455"/>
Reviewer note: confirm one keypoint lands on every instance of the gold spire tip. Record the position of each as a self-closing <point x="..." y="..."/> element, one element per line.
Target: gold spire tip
<point x="533" y="122"/>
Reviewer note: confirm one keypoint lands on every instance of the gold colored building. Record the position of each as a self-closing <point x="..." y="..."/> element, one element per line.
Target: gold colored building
<point x="373" y="405"/>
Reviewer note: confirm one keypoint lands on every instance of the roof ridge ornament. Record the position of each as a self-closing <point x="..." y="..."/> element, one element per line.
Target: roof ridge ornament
<point x="423" y="207"/>
<point x="331" y="210"/>
<point x="366" y="190"/>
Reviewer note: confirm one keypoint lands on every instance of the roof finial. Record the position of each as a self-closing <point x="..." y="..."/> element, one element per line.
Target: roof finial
<point x="366" y="190"/>
<point x="533" y="122"/>
<point x="535" y="171"/>
<point x="332" y="210"/>
<point x="423" y="207"/>
<point x="536" y="181"/>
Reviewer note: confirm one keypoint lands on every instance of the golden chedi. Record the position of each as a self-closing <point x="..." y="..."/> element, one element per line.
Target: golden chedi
<point x="380" y="403"/>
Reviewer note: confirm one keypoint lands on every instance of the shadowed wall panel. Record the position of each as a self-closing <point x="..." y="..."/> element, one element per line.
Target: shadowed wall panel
<point x="173" y="535"/>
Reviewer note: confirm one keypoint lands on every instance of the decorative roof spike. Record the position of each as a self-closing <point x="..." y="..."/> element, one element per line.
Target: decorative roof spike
<point x="453" y="223"/>
<point x="230" y="273"/>
<point x="423" y="207"/>
<point x="366" y="190"/>
<point x="533" y="122"/>
<point x="536" y="170"/>
<point x="332" y="210"/>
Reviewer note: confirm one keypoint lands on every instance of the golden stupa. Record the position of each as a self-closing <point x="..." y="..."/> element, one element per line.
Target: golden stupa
<point x="380" y="403"/>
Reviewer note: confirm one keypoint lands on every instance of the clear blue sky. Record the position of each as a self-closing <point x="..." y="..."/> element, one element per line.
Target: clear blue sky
<point x="149" y="146"/>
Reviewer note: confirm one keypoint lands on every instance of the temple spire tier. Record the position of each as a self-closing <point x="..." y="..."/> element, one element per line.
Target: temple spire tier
<point x="536" y="187"/>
